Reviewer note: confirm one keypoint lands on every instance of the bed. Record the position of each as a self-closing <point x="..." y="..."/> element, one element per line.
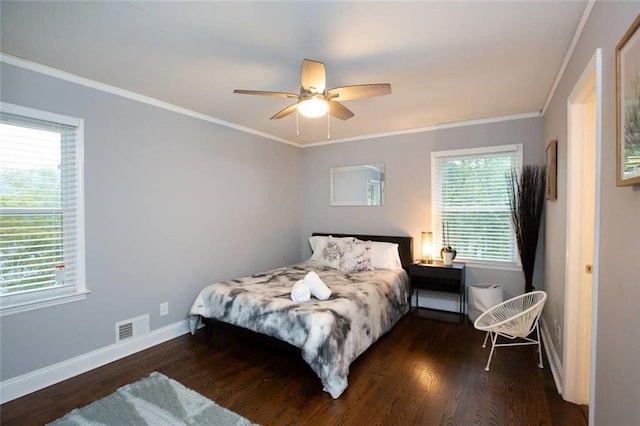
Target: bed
<point x="332" y="333"/>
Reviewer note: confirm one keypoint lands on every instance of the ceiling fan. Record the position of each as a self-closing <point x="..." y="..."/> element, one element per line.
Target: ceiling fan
<point x="314" y="100"/>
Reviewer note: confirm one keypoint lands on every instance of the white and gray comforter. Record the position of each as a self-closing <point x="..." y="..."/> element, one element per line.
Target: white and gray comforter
<point x="332" y="333"/>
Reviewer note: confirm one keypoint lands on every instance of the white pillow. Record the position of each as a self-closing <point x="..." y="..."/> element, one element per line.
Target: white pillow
<point x="385" y="256"/>
<point x="317" y="243"/>
<point x="327" y="250"/>
<point x="356" y="256"/>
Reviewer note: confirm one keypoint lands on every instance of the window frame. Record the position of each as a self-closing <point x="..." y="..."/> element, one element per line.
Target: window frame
<point x="436" y="222"/>
<point x="41" y="298"/>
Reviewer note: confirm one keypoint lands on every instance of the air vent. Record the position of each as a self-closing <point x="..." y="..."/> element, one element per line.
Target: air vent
<point x="134" y="327"/>
<point x="125" y="330"/>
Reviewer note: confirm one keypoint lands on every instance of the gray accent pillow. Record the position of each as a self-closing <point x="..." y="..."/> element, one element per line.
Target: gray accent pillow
<point x="327" y="250"/>
<point x="356" y="256"/>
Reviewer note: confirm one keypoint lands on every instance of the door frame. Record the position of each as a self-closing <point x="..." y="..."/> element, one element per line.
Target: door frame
<point x="576" y="321"/>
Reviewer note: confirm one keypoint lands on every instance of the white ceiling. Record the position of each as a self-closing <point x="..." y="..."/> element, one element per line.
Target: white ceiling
<point x="446" y="61"/>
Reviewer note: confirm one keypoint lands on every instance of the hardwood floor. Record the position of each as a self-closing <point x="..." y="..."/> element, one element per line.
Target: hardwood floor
<point x="423" y="372"/>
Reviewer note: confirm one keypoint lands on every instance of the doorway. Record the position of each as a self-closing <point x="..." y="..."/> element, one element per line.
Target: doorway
<point x="583" y="201"/>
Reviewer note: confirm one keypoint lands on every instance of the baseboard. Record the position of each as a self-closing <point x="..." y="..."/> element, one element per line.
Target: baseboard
<point x="27" y="383"/>
<point x="552" y="355"/>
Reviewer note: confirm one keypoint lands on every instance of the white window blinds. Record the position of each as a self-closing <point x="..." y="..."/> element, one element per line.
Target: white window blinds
<point x="470" y="199"/>
<point x="40" y="205"/>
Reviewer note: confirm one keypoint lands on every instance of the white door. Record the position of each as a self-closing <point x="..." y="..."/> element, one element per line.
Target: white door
<point x="583" y="169"/>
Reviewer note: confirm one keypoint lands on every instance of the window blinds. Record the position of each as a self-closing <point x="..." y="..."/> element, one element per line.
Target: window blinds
<point x="38" y="204"/>
<point x="471" y="211"/>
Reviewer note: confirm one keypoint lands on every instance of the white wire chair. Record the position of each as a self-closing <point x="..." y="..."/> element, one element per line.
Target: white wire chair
<point x="514" y="318"/>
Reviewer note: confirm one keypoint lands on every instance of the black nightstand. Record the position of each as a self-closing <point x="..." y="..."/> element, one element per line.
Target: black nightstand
<point x="437" y="276"/>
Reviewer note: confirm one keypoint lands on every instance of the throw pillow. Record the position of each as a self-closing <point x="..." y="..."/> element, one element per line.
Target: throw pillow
<point x="327" y="250"/>
<point x="356" y="256"/>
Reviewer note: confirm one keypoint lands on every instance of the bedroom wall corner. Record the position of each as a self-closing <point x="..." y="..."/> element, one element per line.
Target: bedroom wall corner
<point x="172" y="203"/>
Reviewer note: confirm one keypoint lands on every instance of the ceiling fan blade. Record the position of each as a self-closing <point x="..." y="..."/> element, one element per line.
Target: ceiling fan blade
<point x="313" y="76"/>
<point x="263" y="93"/>
<point x="348" y="93"/>
<point x="288" y="110"/>
<point x="340" y="111"/>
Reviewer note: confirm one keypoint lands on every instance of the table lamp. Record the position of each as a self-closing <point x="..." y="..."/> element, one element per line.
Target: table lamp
<point x="427" y="247"/>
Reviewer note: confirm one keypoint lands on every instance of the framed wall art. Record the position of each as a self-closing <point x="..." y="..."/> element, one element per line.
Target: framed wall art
<point x="552" y="168"/>
<point x="628" y="107"/>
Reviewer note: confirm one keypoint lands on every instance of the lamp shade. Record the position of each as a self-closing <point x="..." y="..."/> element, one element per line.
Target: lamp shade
<point x="313" y="106"/>
<point x="427" y="247"/>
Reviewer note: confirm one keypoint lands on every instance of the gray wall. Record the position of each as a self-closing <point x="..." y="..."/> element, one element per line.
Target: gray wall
<point x="617" y="376"/>
<point x="172" y="203"/>
<point x="407" y="210"/>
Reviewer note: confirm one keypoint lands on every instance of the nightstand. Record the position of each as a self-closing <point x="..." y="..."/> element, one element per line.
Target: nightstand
<point x="438" y="277"/>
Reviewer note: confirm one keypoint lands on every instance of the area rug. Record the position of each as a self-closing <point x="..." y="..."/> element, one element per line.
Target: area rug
<point x="155" y="400"/>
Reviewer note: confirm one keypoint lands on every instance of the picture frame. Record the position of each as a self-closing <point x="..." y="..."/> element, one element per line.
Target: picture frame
<point x="551" y="185"/>
<point x="628" y="107"/>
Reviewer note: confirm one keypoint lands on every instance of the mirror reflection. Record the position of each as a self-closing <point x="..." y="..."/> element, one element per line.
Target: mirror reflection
<point x="357" y="185"/>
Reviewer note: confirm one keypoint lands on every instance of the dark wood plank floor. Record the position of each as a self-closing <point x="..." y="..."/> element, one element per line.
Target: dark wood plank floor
<point x="424" y="372"/>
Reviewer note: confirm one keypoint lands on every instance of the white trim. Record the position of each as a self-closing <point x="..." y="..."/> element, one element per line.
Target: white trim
<point x="552" y="356"/>
<point x="596" y="242"/>
<point x="432" y="128"/>
<point x="41" y="303"/>
<point x="569" y="54"/>
<point x="40" y="114"/>
<point x="480" y="150"/>
<point x="22" y="385"/>
<point x="487" y="265"/>
<point x="81" y="267"/>
<point x="73" y="78"/>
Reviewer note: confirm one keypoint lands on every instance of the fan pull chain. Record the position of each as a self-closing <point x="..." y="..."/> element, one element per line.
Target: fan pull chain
<point x="328" y="126"/>
<point x="297" y="127"/>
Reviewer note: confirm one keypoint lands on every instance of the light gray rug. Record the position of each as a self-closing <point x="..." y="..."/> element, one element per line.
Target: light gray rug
<point x="155" y="400"/>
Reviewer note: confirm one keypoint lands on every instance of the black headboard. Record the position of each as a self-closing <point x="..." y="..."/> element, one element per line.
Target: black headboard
<point x="405" y="244"/>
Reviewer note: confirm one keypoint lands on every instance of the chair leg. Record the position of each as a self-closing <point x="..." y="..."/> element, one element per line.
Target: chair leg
<point x="540" y="365"/>
<point x="486" y="336"/>
<point x="494" y="337"/>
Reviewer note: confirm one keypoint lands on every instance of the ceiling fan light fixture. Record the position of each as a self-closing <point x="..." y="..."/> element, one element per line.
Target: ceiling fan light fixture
<point x="315" y="101"/>
<point x="313" y="106"/>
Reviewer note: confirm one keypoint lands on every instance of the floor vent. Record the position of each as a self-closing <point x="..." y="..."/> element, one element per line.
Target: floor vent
<point x="134" y="327"/>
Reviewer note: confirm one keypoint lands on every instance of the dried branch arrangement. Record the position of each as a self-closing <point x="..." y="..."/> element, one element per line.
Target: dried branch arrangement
<point x="527" y="201"/>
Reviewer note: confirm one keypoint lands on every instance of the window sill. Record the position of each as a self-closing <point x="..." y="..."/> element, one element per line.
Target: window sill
<point x="46" y="302"/>
<point x="495" y="266"/>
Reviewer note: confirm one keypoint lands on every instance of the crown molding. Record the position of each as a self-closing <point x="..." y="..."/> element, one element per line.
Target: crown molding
<point x="432" y="128"/>
<point x="107" y="88"/>
<point x="569" y="54"/>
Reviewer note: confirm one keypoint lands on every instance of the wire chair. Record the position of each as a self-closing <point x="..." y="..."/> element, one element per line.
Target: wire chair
<point x="514" y="318"/>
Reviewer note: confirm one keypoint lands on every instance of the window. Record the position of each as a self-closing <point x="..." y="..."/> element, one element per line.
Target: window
<point x="470" y="200"/>
<point x="373" y="192"/>
<point x="41" y="209"/>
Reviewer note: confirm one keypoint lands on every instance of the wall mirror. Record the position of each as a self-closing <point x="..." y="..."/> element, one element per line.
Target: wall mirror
<point x="357" y="185"/>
